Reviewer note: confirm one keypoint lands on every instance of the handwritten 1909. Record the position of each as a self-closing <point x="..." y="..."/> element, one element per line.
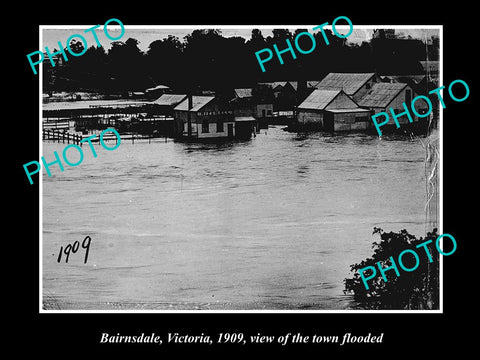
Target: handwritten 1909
<point x="74" y="248"/>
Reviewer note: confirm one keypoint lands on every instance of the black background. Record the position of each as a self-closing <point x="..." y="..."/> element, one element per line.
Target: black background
<point x="66" y="335"/>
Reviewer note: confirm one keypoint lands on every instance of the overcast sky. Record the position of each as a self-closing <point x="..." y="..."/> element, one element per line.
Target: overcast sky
<point x="147" y="35"/>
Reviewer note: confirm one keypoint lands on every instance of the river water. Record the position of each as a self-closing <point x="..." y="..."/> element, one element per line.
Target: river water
<point x="272" y="223"/>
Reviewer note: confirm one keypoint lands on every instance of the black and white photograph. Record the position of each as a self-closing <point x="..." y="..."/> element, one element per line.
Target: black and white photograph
<point x="241" y="179"/>
<point x="193" y="180"/>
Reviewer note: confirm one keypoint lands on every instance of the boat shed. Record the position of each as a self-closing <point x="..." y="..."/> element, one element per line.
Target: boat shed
<point x="332" y="110"/>
<point x="355" y="85"/>
<point x="203" y="117"/>
<point x="383" y="96"/>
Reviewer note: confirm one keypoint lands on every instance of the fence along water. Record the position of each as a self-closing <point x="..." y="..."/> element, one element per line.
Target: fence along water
<point x="75" y="146"/>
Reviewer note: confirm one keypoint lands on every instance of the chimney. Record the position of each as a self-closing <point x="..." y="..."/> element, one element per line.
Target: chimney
<point x="190" y="101"/>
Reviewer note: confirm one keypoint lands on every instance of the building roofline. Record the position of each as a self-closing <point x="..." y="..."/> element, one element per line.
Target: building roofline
<point x="398" y="92"/>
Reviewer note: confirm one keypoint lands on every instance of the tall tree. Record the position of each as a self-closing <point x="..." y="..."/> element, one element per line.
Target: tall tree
<point x="164" y="60"/>
<point x="201" y="52"/>
<point x="127" y="66"/>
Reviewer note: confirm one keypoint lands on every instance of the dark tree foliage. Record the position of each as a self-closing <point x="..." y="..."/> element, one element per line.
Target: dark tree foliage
<point x="126" y="64"/>
<point x="398" y="56"/>
<point x="205" y="59"/>
<point x="418" y="289"/>
<point x="164" y="60"/>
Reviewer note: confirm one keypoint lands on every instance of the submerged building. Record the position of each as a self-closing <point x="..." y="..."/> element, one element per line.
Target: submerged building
<point x="332" y="110"/>
<point x="207" y="118"/>
<point x="385" y="96"/>
<point x="346" y="102"/>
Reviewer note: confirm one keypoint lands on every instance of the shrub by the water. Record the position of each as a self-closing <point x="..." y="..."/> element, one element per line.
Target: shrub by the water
<point x="418" y="289"/>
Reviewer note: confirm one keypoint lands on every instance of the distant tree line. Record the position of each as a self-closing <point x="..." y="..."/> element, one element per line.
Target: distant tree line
<point x="207" y="60"/>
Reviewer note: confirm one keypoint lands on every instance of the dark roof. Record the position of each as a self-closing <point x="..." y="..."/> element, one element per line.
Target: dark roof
<point x="198" y="103"/>
<point x="381" y="94"/>
<point x="319" y="99"/>
<point x="350" y="83"/>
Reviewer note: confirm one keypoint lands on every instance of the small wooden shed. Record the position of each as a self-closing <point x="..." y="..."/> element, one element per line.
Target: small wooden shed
<point x="332" y="110"/>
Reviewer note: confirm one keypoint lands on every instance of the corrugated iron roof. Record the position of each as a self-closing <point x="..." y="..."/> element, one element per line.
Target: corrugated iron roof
<point x="243" y="93"/>
<point x="319" y="99"/>
<point x="381" y="94"/>
<point x="198" y="103"/>
<point x="350" y="83"/>
<point x="170" y="99"/>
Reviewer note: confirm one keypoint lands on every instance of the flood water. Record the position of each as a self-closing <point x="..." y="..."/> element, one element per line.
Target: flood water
<point x="272" y="223"/>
